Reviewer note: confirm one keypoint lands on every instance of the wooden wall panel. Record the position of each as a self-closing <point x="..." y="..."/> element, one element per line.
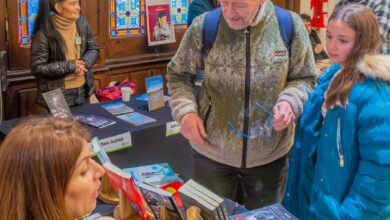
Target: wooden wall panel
<point x="90" y="10"/>
<point x="130" y="46"/>
<point x="2" y="25"/>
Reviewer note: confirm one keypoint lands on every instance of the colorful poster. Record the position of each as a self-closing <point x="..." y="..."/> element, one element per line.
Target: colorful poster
<point x="159" y="22"/>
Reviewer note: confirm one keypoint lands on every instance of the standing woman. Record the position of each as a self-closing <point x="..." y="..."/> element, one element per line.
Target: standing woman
<point x="340" y="162"/>
<point x="63" y="52"/>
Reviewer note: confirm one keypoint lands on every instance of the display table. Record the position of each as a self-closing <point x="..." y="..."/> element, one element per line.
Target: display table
<point x="149" y="142"/>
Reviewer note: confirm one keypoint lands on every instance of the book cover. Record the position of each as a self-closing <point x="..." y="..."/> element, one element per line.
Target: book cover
<point x="56" y="103"/>
<point x="124" y="181"/>
<point x="155" y="91"/>
<point x="136" y="118"/>
<point x="116" y="107"/>
<point x="173" y="188"/>
<point x="100" y="152"/>
<point x="156" y="174"/>
<point x="158" y="198"/>
<point x="271" y="212"/>
<point x="93" y="120"/>
<point x="159" y="22"/>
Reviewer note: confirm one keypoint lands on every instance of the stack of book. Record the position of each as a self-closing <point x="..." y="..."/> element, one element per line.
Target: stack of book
<point x="212" y="206"/>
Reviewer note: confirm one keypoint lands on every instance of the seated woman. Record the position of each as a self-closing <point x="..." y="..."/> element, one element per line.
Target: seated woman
<point x="46" y="171"/>
<point x="63" y="52"/>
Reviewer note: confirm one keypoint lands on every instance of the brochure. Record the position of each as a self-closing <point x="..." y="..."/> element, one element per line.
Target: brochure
<point x="155" y="91"/>
<point x="93" y="120"/>
<point x="116" y="107"/>
<point x="136" y="118"/>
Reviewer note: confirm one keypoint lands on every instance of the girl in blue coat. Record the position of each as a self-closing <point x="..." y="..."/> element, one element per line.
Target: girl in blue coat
<point x="340" y="162"/>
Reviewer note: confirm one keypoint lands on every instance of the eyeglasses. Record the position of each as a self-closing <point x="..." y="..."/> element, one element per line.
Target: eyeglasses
<point x="254" y="132"/>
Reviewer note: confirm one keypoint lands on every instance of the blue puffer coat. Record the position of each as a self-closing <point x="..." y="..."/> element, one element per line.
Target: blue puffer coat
<point x="340" y="164"/>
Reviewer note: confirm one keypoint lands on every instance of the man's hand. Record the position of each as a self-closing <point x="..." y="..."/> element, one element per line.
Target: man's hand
<point x="283" y="115"/>
<point x="192" y="128"/>
<point x="80" y="68"/>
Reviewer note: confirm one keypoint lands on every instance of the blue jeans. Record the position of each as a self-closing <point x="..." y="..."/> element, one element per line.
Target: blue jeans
<point x="260" y="186"/>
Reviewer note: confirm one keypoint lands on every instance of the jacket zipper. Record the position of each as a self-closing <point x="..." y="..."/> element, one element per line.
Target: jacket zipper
<point x="247" y="93"/>
<point x="207" y="116"/>
<point x="339" y="146"/>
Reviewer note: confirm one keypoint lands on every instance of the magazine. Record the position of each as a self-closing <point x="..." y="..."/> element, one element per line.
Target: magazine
<point x="116" y="107"/>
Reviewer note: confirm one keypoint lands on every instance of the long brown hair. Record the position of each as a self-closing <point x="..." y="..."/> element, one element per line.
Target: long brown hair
<point x="368" y="40"/>
<point x="37" y="159"/>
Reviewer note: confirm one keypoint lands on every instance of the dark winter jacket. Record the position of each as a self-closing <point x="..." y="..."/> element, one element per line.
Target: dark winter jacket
<point x="50" y="70"/>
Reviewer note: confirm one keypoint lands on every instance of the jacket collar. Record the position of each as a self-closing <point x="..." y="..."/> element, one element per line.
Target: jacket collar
<point x="375" y="66"/>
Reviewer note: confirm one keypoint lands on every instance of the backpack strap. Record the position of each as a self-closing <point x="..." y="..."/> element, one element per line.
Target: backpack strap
<point x="209" y="32"/>
<point x="211" y="22"/>
<point x="286" y="26"/>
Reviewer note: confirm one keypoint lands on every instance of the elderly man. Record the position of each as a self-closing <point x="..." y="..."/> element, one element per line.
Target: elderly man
<point x="381" y="9"/>
<point x="248" y="73"/>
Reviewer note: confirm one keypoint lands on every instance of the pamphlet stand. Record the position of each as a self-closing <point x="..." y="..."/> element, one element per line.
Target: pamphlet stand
<point x="124" y="211"/>
<point x="107" y="193"/>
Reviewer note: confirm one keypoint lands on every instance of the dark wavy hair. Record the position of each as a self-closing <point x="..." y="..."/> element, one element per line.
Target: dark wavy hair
<point x="44" y="22"/>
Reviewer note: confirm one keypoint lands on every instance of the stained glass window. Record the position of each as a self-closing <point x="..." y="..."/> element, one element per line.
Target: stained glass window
<point x="179" y="13"/>
<point x="28" y="10"/>
<point x="127" y="18"/>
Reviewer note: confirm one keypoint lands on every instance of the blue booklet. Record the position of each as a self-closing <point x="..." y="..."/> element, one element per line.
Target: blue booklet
<point x="116" y="107"/>
<point x="100" y="152"/>
<point x="271" y="212"/>
<point x="136" y="118"/>
<point x="155" y="174"/>
<point x="93" y="120"/>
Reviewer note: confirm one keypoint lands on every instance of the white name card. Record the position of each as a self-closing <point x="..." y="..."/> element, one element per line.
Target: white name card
<point x="116" y="142"/>
<point x="172" y="128"/>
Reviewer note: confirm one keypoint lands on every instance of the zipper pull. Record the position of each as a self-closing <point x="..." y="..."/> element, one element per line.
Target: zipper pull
<point x="247" y="30"/>
<point x="341" y="161"/>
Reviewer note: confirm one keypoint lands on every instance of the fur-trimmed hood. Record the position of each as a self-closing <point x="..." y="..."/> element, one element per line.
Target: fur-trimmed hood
<point x="376" y="66"/>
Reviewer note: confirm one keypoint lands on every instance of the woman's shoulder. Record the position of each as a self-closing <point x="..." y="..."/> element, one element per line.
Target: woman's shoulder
<point x="82" y="21"/>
